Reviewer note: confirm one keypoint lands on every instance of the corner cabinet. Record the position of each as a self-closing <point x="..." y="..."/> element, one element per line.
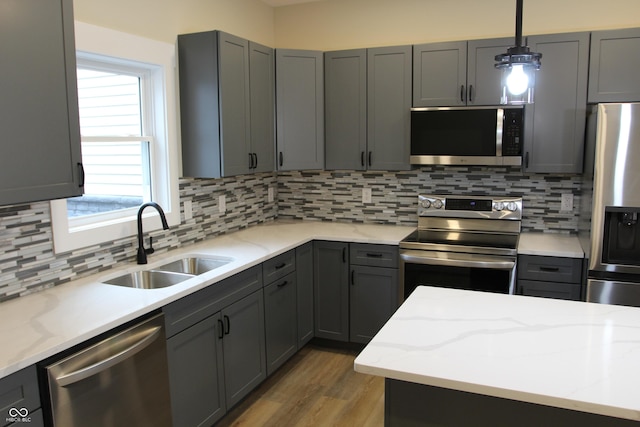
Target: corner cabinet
<point x="300" y="109"/>
<point x="457" y="73"/>
<point x="368" y="98"/>
<point x="331" y="290"/>
<point x="555" y="123"/>
<point x="613" y="66"/>
<point x="226" y="105"/>
<point x="41" y="157"/>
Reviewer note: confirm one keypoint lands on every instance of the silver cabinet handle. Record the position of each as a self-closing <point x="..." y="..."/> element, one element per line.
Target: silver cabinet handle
<point x="79" y="375"/>
<point x="458" y="260"/>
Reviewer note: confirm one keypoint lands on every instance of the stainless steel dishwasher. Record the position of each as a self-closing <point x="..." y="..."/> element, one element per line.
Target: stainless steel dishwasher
<point x="121" y="380"/>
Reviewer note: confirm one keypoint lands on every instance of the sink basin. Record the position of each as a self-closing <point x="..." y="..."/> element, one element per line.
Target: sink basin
<point x="149" y="279"/>
<point x="195" y="265"/>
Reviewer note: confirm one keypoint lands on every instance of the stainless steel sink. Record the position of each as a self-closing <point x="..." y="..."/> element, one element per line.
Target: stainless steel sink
<point x="195" y="265"/>
<point x="149" y="279"/>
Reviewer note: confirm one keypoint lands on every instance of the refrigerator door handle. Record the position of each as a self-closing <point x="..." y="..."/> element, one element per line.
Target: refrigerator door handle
<point x="83" y="373"/>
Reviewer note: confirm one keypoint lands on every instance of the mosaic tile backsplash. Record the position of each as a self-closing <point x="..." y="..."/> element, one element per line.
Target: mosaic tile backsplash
<point x="28" y="263"/>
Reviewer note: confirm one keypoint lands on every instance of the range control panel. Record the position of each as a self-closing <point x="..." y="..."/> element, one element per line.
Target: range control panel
<point x="470" y="207"/>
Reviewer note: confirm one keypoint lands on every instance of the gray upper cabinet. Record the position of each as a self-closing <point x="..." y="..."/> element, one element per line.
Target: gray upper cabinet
<point x="345" y="77"/>
<point x="613" y="66"/>
<point x="41" y="156"/>
<point x="262" y="95"/>
<point x="226" y="96"/>
<point x="300" y="109"/>
<point x="555" y="123"/>
<point x="368" y="102"/>
<point x="457" y="73"/>
<point x="389" y="108"/>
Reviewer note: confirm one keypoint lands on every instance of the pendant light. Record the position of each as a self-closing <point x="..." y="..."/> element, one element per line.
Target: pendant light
<point x="518" y="66"/>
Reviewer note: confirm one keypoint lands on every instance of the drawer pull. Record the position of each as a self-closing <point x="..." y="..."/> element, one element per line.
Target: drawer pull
<point x="550" y="269"/>
<point x="374" y="255"/>
<point x="279" y="266"/>
<point x="285" y="283"/>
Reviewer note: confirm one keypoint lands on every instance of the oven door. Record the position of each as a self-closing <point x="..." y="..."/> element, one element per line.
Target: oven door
<point x="476" y="272"/>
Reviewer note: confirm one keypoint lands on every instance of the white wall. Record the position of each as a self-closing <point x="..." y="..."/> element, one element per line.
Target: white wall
<point x="164" y="19"/>
<point x="345" y="24"/>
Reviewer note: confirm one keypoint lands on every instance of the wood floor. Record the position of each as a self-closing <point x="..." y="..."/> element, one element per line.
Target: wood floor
<point x="316" y="387"/>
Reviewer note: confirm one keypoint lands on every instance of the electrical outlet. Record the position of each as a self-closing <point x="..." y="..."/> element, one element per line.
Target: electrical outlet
<point x="222" y="204"/>
<point x="270" y="195"/>
<point x="366" y="195"/>
<point x="188" y="209"/>
<point x="566" y="203"/>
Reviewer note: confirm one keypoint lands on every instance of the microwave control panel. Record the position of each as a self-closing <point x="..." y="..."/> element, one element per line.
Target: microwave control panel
<point x="512" y="132"/>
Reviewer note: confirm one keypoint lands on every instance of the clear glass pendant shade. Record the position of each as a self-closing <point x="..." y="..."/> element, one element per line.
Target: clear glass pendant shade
<point x="517" y="84"/>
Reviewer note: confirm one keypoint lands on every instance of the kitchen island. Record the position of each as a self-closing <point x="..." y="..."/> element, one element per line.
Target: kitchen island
<point x="454" y="358"/>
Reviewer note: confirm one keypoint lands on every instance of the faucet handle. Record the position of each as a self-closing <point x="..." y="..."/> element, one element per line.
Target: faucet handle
<point x="150" y="249"/>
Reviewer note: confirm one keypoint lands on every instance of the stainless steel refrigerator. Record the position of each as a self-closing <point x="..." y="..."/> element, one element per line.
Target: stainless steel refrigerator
<point x="614" y="259"/>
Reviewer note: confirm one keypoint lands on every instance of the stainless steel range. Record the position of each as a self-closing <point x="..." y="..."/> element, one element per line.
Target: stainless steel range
<point x="462" y="242"/>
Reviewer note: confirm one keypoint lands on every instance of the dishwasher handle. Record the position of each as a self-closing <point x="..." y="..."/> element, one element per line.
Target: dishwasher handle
<point x="148" y="337"/>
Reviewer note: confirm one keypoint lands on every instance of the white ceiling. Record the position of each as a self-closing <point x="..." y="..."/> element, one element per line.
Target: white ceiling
<point x="278" y="3"/>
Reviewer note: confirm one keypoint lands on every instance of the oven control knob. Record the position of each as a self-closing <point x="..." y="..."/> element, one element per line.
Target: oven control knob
<point x="437" y="204"/>
<point x="512" y="206"/>
<point x="425" y="203"/>
<point x="498" y="206"/>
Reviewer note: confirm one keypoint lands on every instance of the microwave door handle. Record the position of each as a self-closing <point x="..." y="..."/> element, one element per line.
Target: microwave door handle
<point x="452" y="262"/>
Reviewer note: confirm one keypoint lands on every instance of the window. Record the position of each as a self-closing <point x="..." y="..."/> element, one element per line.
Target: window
<point x="129" y="149"/>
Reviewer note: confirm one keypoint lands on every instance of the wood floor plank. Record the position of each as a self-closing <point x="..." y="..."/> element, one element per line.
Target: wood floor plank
<point x="316" y="387"/>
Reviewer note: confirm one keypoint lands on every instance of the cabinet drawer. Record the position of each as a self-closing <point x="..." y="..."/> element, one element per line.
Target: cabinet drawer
<point x="18" y="390"/>
<point x="570" y="291"/>
<point x="193" y="308"/>
<point x="279" y="266"/>
<point x="550" y="269"/>
<point x="373" y="255"/>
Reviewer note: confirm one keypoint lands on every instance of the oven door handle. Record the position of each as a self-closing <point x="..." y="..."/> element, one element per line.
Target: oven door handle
<point x="459" y="260"/>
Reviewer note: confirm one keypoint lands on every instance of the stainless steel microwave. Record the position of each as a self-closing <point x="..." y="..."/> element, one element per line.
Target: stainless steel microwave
<point x="490" y="136"/>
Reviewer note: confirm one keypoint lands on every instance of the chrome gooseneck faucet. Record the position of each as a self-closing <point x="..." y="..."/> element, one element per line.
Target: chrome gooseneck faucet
<point x="142" y="252"/>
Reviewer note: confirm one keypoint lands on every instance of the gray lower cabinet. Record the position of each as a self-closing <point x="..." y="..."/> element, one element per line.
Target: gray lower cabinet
<point x="226" y="105"/>
<point x="551" y="277"/>
<point x="331" y="290"/>
<point x="356" y="289"/>
<point x="304" y="293"/>
<point x="215" y="347"/>
<point x="613" y="66"/>
<point x="20" y="399"/>
<point x="555" y="123"/>
<point x="300" y="109"/>
<point x="280" y="309"/>
<point x="38" y="85"/>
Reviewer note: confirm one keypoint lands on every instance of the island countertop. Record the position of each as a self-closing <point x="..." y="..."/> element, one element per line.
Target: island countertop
<point x="567" y="354"/>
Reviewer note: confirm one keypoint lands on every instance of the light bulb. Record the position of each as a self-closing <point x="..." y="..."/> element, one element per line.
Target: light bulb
<point x="517" y="81"/>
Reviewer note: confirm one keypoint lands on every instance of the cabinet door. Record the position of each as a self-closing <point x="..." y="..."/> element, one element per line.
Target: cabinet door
<point x="304" y="293"/>
<point x="483" y="79"/>
<point x="389" y="108"/>
<point x="331" y="290"/>
<point x="41" y="157"/>
<point x="345" y="77"/>
<point x="440" y="74"/>
<point x="613" y="66"/>
<point x="373" y="300"/>
<point x="299" y="109"/>
<point x="243" y="347"/>
<point x="196" y="374"/>
<point x="234" y="104"/>
<point x="19" y="390"/>
<point x="280" y="324"/>
<point x="555" y="123"/>
<point x="262" y="87"/>
<point x="199" y="108"/>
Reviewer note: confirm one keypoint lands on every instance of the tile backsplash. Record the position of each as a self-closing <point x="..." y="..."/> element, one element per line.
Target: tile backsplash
<point x="28" y="263"/>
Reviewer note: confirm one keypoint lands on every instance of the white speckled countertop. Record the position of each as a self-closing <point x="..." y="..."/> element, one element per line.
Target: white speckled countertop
<point x="549" y="244"/>
<point x="567" y="354"/>
<point x="40" y="325"/>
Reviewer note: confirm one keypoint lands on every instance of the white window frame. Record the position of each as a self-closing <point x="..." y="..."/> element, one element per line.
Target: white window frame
<point x="158" y="58"/>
